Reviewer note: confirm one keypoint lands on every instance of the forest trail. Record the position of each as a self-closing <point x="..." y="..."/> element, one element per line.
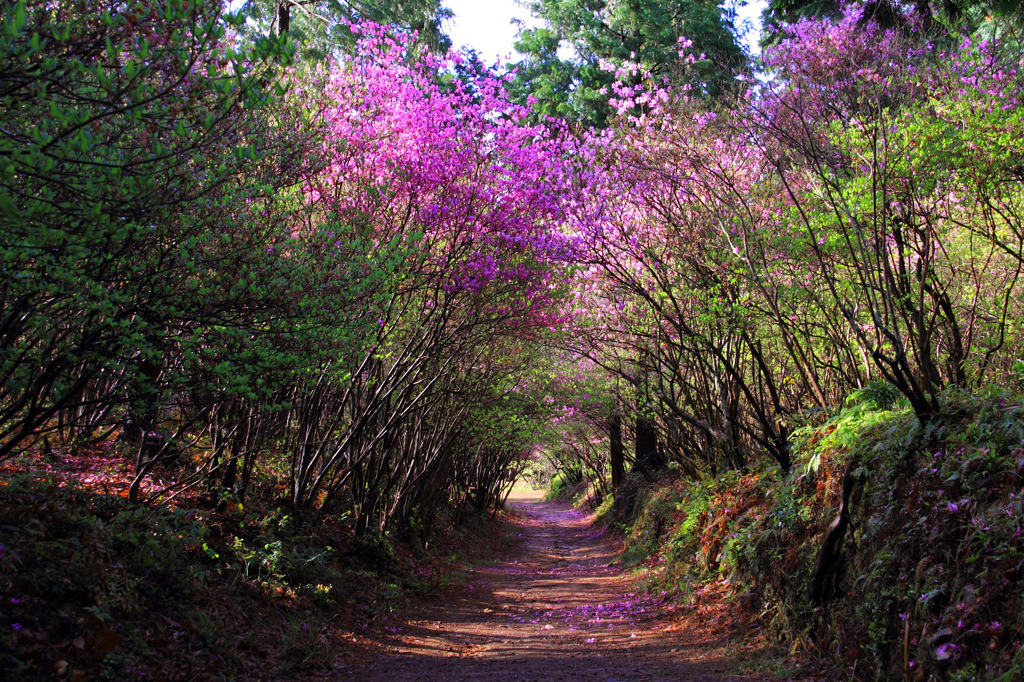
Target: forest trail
<point x="555" y="609"/>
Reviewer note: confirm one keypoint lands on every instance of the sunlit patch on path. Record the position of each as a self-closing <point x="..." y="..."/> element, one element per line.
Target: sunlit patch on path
<point x="559" y="610"/>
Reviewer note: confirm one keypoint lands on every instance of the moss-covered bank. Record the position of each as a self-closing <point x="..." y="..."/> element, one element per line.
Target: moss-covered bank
<point x="925" y="582"/>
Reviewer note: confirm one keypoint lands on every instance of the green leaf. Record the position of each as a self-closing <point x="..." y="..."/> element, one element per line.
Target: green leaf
<point x="20" y="18"/>
<point x="8" y="208"/>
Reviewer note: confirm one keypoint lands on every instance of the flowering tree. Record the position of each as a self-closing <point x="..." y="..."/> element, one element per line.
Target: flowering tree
<point x="886" y="223"/>
<point x="124" y="141"/>
<point x="457" y="205"/>
<point x="737" y="234"/>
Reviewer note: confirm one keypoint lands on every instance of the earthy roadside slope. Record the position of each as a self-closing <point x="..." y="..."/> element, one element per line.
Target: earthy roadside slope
<point x="554" y="610"/>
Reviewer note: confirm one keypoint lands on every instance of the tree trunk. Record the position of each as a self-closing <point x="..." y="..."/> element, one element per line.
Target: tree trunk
<point x="648" y="455"/>
<point x="616" y="455"/>
<point x="284" y="17"/>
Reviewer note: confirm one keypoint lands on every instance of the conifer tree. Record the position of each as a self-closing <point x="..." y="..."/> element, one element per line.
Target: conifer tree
<point x="614" y="32"/>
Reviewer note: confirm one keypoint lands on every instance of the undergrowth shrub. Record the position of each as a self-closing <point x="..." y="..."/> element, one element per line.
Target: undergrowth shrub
<point x="656" y="513"/>
<point x="93" y="586"/>
<point x="558" y="486"/>
<point x="928" y="582"/>
<point x="75" y="564"/>
<point x="568" y="487"/>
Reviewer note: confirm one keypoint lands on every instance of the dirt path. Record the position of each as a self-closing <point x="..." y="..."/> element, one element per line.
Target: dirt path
<point x="558" y="611"/>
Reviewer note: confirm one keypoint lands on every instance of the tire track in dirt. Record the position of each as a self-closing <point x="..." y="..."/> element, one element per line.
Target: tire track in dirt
<point x="556" y="611"/>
